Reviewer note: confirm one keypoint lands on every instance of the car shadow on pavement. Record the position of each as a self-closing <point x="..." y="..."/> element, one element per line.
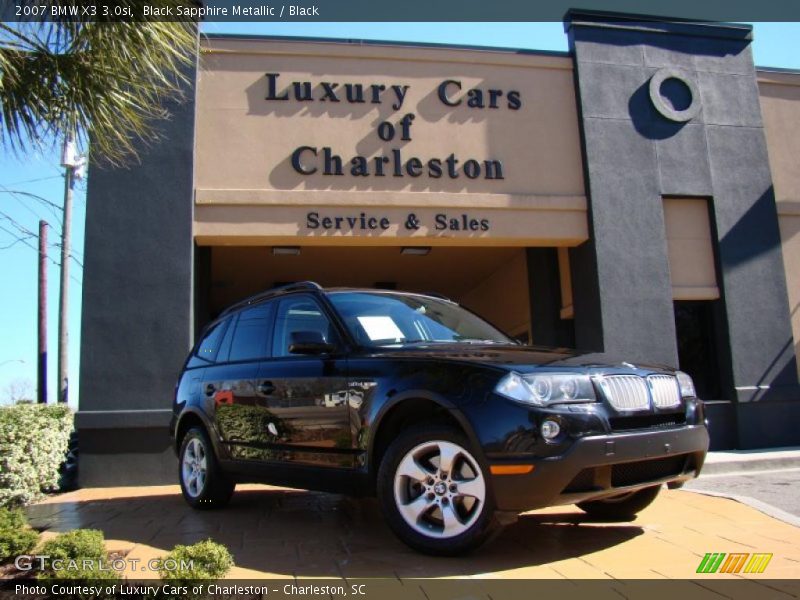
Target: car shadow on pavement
<point x="297" y="533"/>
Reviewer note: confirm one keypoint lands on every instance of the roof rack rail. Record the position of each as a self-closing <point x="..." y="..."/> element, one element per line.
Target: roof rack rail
<point x="310" y="286"/>
<point x="438" y="295"/>
<point x="298" y="285"/>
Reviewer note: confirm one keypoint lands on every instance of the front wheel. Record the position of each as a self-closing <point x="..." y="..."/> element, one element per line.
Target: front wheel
<point x="623" y="507"/>
<point x="203" y="483"/>
<point x="434" y="492"/>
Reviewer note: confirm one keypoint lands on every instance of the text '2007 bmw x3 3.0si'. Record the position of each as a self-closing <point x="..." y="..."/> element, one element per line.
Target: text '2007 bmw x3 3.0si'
<point x="454" y="426"/>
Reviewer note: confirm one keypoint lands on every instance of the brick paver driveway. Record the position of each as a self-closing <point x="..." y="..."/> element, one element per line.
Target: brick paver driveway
<point x="277" y="532"/>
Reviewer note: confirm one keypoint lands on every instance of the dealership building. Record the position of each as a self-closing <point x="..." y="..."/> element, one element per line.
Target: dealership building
<point x="637" y="196"/>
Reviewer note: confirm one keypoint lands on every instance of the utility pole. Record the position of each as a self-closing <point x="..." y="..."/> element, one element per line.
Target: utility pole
<point x="42" y="321"/>
<point x="69" y="160"/>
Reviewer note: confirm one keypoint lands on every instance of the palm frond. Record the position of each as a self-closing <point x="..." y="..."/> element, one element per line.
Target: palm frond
<point x="106" y="80"/>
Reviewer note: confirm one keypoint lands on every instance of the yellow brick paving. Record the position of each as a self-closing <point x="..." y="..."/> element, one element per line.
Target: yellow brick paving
<point x="280" y="533"/>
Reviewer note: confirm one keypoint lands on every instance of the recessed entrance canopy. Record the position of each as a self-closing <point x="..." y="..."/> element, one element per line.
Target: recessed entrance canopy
<point x="490" y="281"/>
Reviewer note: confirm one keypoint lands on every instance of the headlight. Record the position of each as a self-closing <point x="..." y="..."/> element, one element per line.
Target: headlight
<point x="686" y="384"/>
<point x="546" y="388"/>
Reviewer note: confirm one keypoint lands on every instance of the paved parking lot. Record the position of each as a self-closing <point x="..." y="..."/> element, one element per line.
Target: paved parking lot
<point x="278" y="533"/>
<point x="772" y="488"/>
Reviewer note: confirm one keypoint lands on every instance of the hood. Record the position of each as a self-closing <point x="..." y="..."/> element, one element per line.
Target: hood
<point x="522" y="359"/>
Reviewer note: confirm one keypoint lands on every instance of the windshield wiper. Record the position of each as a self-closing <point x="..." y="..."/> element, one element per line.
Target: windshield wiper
<point x="479" y="341"/>
<point x="475" y="341"/>
<point x="382" y="343"/>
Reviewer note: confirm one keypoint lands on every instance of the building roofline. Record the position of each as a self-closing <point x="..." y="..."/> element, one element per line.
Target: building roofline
<point x="399" y="44"/>
<point x="777" y="70"/>
<point x="502" y="49"/>
<point x="656" y="24"/>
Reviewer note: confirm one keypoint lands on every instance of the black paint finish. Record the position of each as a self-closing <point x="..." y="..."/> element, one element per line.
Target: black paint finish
<point x="294" y="432"/>
<point x="634" y="157"/>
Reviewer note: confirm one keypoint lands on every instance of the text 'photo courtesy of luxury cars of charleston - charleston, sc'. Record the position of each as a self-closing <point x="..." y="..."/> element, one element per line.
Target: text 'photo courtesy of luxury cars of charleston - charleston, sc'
<point x="192" y="589"/>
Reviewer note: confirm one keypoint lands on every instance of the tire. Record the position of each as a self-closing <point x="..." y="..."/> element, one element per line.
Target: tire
<point x="623" y="507"/>
<point x="203" y="484"/>
<point x="435" y="511"/>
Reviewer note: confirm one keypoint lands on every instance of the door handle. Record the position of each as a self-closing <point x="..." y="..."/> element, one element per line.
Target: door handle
<point x="266" y="388"/>
<point x="210" y="389"/>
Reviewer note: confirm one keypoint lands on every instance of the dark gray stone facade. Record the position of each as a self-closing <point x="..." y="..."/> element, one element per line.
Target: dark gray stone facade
<point x="634" y="157"/>
<point x="137" y="306"/>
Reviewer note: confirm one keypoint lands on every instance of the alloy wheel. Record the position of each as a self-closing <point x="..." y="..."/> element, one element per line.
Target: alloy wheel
<point x="439" y="489"/>
<point x="194" y="467"/>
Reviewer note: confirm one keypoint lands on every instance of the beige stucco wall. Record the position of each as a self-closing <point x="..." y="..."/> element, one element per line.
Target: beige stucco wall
<point x="790" y="234"/>
<point x="780" y="108"/>
<point x="248" y="193"/>
<point x="503" y="297"/>
<point x="690" y="250"/>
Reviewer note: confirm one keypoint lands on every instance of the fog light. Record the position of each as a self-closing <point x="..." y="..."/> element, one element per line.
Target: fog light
<point x="550" y="430"/>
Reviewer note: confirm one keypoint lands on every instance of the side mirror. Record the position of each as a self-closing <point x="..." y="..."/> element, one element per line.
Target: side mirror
<point x="309" y="342"/>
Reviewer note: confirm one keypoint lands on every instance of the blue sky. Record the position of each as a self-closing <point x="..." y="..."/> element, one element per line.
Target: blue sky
<point x="775" y="45"/>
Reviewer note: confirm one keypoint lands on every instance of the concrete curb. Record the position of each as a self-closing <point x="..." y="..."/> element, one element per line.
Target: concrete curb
<point x="751" y="460"/>
<point x="767" y="509"/>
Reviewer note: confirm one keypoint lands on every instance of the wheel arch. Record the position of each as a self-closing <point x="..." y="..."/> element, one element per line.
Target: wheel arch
<point x="411" y="408"/>
<point x="189" y="418"/>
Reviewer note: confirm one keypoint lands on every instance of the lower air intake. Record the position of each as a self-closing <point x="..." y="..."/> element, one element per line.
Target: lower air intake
<point x="643" y="471"/>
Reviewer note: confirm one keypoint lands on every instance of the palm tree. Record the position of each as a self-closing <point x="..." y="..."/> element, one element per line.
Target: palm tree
<point x="83" y="77"/>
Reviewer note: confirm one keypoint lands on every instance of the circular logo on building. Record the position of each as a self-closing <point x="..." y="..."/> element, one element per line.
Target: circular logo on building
<point x="674" y="95"/>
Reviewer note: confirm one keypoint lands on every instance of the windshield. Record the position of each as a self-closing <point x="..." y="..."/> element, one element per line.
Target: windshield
<point x="385" y="319"/>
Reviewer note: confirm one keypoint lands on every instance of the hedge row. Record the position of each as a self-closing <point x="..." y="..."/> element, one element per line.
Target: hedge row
<point x="33" y="443"/>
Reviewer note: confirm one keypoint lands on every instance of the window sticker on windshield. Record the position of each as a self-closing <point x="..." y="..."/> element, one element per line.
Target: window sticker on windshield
<point x="381" y="328"/>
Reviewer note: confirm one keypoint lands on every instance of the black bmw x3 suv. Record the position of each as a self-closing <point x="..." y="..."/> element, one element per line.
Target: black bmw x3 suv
<point x="453" y="425"/>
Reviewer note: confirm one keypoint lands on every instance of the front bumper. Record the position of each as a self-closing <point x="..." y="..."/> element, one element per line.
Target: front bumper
<point x="604" y="465"/>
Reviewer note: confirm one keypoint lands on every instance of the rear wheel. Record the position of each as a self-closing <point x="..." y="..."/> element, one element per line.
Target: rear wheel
<point x="434" y="492"/>
<point x="203" y="483"/>
<point x="622" y="507"/>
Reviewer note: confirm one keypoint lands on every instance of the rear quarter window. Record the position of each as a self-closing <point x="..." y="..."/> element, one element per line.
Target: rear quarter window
<point x="206" y="351"/>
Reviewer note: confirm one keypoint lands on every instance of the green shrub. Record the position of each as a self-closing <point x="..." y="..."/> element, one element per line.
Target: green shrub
<point x="12" y="518"/>
<point x="33" y="443"/>
<point x="15" y="536"/>
<point x="80" y="543"/>
<point x="203" y="560"/>
<point x="83" y="555"/>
